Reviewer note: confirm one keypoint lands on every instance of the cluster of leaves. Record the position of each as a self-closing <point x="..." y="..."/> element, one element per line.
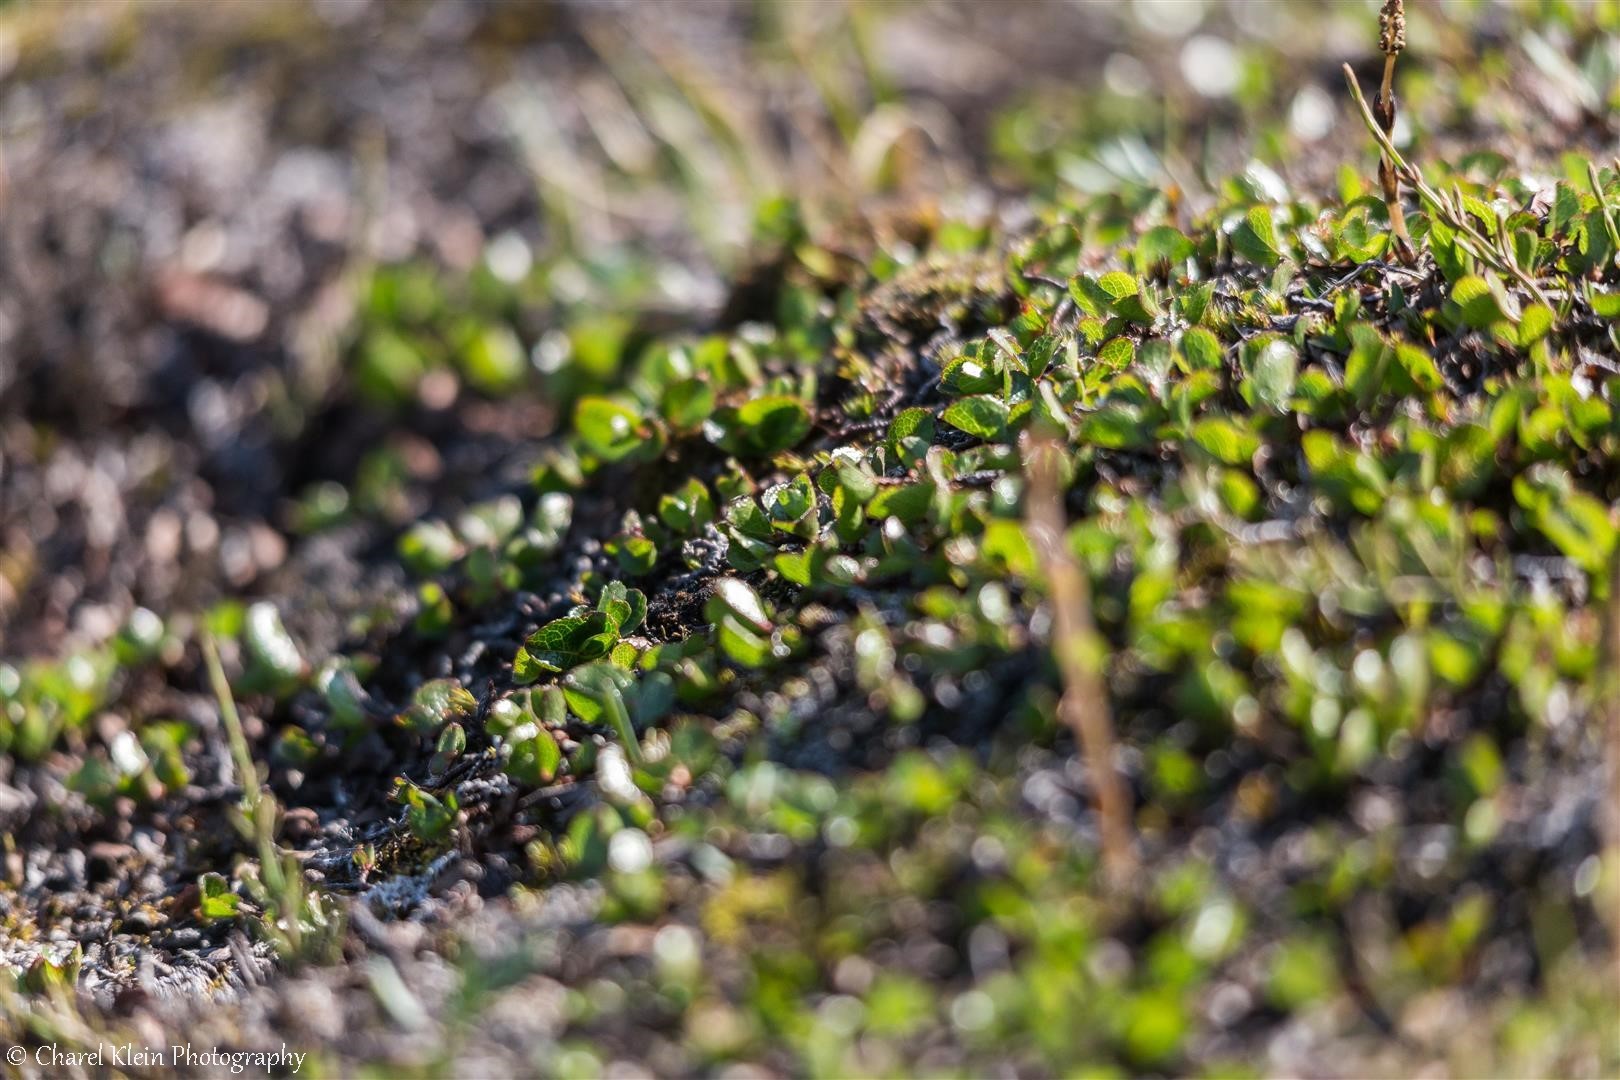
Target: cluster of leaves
<point x="820" y="973"/>
<point x="48" y="704"/>
<point x="492" y="549"/>
<point x="415" y="324"/>
<point x="1342" y="519"/>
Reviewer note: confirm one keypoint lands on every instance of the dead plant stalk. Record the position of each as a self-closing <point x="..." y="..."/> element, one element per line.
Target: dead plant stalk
<point x="1391" y="40"/>
<point x="1078" y="651"/>
<point x="1611" y="711"/>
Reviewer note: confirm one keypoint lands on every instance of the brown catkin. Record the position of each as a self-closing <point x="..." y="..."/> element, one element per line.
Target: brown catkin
<point x="1392" y="27"/>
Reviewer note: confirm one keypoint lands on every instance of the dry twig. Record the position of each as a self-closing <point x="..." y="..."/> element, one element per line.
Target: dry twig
<point x="1078" y="651"/>
<point x="1611" y="711"/>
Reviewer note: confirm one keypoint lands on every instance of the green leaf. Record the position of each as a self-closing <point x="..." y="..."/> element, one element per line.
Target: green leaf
<point x="914" y="423"/>
<point x="1194" y="302"/>
<point x="977" y="371"/>
<point x="687" y="509"/>
<point x="1456" y="660"/>
<point x="544" y="532"/>
<point x="1574" y="521"/>
<point x="1527" y="249"/>
<point x="491" y="523"/>
<point x="609" y="429"/>
<point x="436" y="702"/>
<point x="1304" y="970"/>
<point x="836" y="570"/>
<point x="733" y="597"/>
<point x="564" y="643"/>
<point x="744" y="515"/>
<point x="741" y="645"/>
<point x="1154" y="1024"/>
<point x="1449" y="254"/>
<point x="1117" y="354"/>
<point x="1006" y="548"/>
<point x="1115" y="427"/>
<point x="1480" y="304"/>
<point x="1038" y="357"/>
<point x="761" y="427"/>
<point x="1353" y="480"/>
<point x="389" y="367"/>
<point x="636" y="554"/>
<point x="794" y="566"/>
<point x="1115" y="293"/>
<point x="1118" y="285"/>
<point x="907" y="502"/>
<point x="346" y="700"/>
<point x="982" y="416"/>
<point x="1162" y="246"/>
<point x="851" y="476"/>
<point x="1201" y="349"/>
<point x="215" y="899"/>
<point x="688" y="403"/>
<point x="1271" y="367"/>
<point x="1481" y="211"/>
<point x="1239" y="493"/>
<point x="1226" y="440"/>
<point x="271" y="651"/>
<point x="625" y="607"/>
<point x="1256" y="238"/>
<point x="1354" y="242"/>
<point x="742" y="628"/>
<point x="602" y="693"/>
<point x="591" y="690"/>
<point x="1369" y="360"/>
<point x="493" y="359"/>
<point x="1419" y="366"/>
<point x="1090" y="298"/>
<point x="1566" y="208"/>
<point x="429" y="818"/>
<point x="650" y="698"/>
<point x="452" y="742"/>
<point x="535" y="760"/>
<point x="1537" y="322"/>
<point x="792" y="507"/>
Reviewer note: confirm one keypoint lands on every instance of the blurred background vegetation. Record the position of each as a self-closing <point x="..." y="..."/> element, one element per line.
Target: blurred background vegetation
<point x="227" y="225"/>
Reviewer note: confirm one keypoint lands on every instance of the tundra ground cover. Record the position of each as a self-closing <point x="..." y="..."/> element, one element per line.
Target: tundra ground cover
<point x="719" y="727"/>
